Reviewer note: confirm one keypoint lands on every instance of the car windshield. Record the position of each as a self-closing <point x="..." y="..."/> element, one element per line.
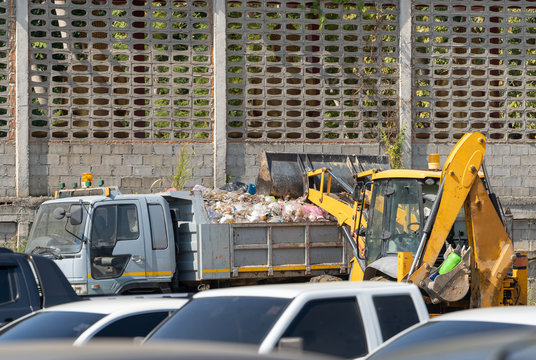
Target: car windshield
<point x="50" y="236"/>
<point x="236" y="319"/>
<point x="49" y="325"/>
<point x="441" y="331"/>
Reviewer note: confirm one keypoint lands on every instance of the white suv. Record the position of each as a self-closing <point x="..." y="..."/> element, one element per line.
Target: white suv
<point x="345" y="319"/>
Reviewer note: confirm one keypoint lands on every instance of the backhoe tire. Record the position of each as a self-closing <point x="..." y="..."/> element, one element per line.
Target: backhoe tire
<point x="325" y="278"/>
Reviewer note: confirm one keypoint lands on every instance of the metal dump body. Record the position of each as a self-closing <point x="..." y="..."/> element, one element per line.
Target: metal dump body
<point x="285" y="174"/>
<point x="260" y="251"/>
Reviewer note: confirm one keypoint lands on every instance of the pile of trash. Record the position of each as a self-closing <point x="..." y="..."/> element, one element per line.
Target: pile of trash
<point x="234" y="204"/>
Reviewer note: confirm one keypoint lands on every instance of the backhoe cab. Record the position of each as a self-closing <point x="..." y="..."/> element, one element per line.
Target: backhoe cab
<point x="443" y="229"/>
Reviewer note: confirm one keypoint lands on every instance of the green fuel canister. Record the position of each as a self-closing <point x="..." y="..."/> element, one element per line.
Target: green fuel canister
<point x="452" y="260"/>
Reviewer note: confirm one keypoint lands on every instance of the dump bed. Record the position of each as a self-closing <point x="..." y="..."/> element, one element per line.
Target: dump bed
<point x="260" y="251"/>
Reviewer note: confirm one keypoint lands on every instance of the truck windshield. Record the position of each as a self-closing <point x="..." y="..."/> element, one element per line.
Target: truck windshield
<point x="396" y="217"/>
<point x="53" y="237"/>
<point x="235" y="319"/>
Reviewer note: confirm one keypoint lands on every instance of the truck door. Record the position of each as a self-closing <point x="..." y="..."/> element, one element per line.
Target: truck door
<point x="117" y="251"/>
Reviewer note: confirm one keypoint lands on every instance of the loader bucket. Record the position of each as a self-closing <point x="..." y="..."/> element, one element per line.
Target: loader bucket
<point x="285" y="174"/>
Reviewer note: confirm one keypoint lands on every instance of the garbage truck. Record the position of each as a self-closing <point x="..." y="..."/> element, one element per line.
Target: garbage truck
<point x="108" y="243"/>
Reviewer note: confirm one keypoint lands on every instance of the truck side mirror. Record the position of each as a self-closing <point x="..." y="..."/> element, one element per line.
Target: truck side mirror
<point x="75" y="215"/>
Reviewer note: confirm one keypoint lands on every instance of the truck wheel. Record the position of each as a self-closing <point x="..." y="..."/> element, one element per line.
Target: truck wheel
<point x="325" y="278"/>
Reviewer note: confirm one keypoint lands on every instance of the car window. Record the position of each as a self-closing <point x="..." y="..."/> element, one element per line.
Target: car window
<point x="7" y="284"/>
<point x="237" y="319"/>
<point x="395" y="313"/>
<point x="441" y="331"/>
<point x="50" y="325"/>
<point x="330" y="326"/>
<point x="132" y="326"/>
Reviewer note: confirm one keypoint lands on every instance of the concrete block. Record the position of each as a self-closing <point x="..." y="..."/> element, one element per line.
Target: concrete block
<point x="498" y="149"/>
<point x="236" y="150"/>
<point x="529" y="182"/>
<point x="131" y="183"/>
<point x="122" y="171"/>
<point x="10" y="170"/>
<point x="208" y="182"/>
<point x="528" y="160"/>
<point x="102" y="172"/>
<point x="208" y="160"/>
<point x="444" y="150"/>
<point x="203" y="149"/>
<point x="531" y="149"/>
<point x="50" y="159"/>
<point x="371" y="149"/>
<point x="501" y="171"/>
<point x="163" y="149"/>
<point x="235" y="161"/>
<point x="294" y="148"/>
<point x="203" y="172"/>
<point x="38" y="171"/>
<point x="518" y="190"/>
<point x="147" y="182"/>
<point x="492" y="160"/>
<point x="70" y="159"/>
<point x="59" y="148"/>
<point x="132" y="160"/>
<point x="143" y="149"/>
<point x="519" y="150"/>
<point x="58" y="171"/>
<point x="142" y="170"/>
<point x="516" y="177"/>
<point x="510" y="160"/>
<point x="519" y="171"/>
<point x="7" y="159"/>
<point x="153" y="160"/>
<point x="122" y="149"/>
<point x="81" y="148"/>
<point x="112" y="160"/>
<point x="9" y="149"/>
<point x="102" y="149"/>
<point x="331" y="148"/>
<point x="91" y="160"/>
<point x="312" y="149"/>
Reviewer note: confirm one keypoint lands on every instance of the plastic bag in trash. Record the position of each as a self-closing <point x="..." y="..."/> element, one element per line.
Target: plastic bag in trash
<point x="235" y="186"/>
<point x="314" y="212"/>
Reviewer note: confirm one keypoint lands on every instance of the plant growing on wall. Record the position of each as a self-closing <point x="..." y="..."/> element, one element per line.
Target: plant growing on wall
<point x="392" y="140"/>
<point x="182" y="171"/>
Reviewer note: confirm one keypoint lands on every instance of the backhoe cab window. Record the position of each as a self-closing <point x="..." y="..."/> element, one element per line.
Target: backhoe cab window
<point x="395" y="222"/>
<point x="111" y="223"/>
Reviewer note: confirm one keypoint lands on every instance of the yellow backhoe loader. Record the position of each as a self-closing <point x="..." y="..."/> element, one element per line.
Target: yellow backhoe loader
<point x="443" y="230"/>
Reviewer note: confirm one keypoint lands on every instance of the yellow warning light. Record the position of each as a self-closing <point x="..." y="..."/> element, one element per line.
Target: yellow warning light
<point x="434" y="162"/>
<point x="87" y="180"/>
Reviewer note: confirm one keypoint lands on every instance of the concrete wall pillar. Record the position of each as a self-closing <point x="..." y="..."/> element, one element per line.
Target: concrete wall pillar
<point x="22" y="131"/>
<point x="220" y="89"/>
<point x="405" y="80"/>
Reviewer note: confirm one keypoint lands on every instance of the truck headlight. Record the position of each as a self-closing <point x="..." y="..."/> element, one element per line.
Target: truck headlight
<point x="80" y="289"/>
